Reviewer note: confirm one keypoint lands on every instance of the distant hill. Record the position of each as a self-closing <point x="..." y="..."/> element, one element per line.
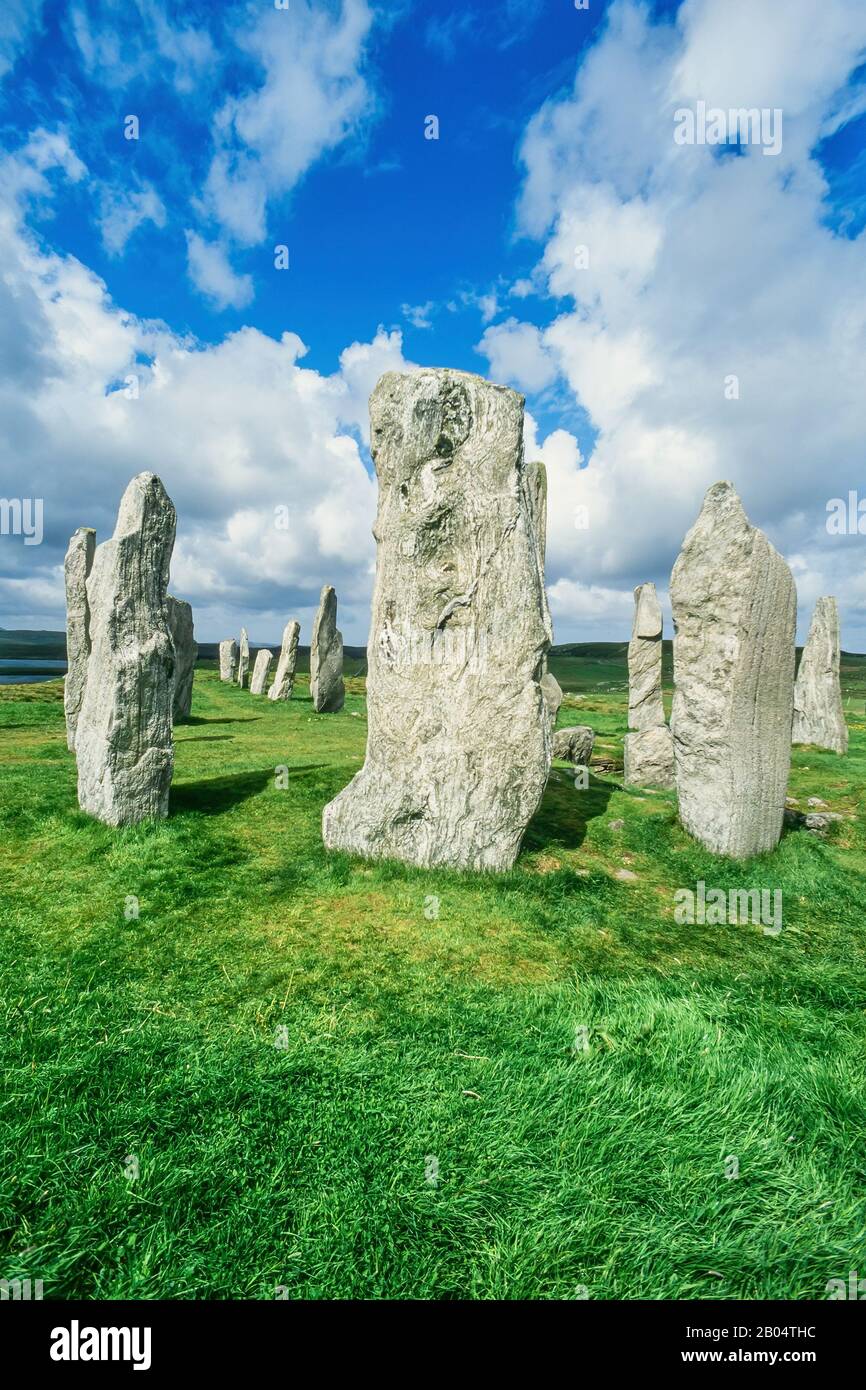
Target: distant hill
<point x="22" y="645"/>
<point x="576" y="665"/>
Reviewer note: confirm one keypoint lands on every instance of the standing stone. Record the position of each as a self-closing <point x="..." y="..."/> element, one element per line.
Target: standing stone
<point x="185" y="655"/>
<point x="284" y="680"/>
<point x="326" y="657"/>
<point x="459" y="744"/>
<point x="734" y="605"/>
<point x="536" y="491"/>
<point x="574" y="745"/>
<point x="76" y="568"/>
<point x="551" y="690"/>
<point x="243" y="659"/>
<point x="123" y="741"/>
<point x="818" y="714"/>
<point x="228" y="659"/>
<point x="648" y="752"/>
<point x="261" y="671"/>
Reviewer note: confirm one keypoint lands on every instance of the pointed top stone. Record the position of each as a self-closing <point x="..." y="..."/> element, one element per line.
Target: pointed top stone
<point x="819" y="717"/>
<point x="647" y="612"/>
<point x="76" y="569"/>
<point x="123" y="742"/>
<point x="327" y="689"/>
<point x="284" y="680"/>
<point x="734" y="606"/>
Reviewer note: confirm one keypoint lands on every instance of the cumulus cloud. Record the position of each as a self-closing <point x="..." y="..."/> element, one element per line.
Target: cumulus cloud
<point x="211" y="272"/>
<point x="240" y="432"/>
<point x="706" y="316"/>
<point x="517" y="353"/>
<point x="361" y="365"/>
<point x="122" y="212"/>
<point x="309" y="95"/>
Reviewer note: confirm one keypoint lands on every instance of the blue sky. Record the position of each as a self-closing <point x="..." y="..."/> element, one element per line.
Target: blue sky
<point x="385" y="220"/>
<point x="259" y="126"/>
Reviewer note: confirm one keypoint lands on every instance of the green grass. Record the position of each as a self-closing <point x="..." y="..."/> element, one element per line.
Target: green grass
<point x="410" y="1036"/>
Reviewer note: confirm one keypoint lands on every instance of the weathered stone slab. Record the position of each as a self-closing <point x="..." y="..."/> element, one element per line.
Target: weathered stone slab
<point x="552" y="693"/>
<point x="648" y="751"/>
<point x="261" y="671"/>
<point x="228" y="659"/>
<point x="734" y="606"/>
<point x="326" y="657"/>
<point x="284" y="680"/>
<point x="459" y="738"/>
<point x="819" y="717"/>
<point x="645" y="707"/>
<point x="180" y="625"/>
<point x="243" y="658"/>
<point x="123" y="742"/>
<point x="536" y="493"/>
<point x="76" y="568"/>
<point x="648" y="758"/>
<point x="574" y="745"/>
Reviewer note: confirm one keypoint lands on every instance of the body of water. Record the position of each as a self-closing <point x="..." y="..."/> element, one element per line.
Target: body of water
<point x="14" y="672"/>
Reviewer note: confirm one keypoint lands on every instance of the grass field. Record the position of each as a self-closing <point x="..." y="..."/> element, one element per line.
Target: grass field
<point x="294" y="1074"/>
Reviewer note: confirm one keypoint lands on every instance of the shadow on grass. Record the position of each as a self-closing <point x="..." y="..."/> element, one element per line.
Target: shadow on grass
<point x="218" y="794"/>
<point x="210" y="738"/>
<point x="197" y="719"/>
<point x="565" y="812"/>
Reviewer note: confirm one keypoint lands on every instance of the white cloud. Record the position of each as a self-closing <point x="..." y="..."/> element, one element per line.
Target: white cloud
<point x="235" y="430"/>
<point x="361" y="365"/>
<point x="311" y="97"/>
<point x="521" y="289"/>
<point x="118" y="51"/>
<point x="418" y="314"/>
<point x="700" y="268"/>
<point x="211" y="273"/>
<point x="22" y="173"/>
<point x="591" y="607"/>
<point x="19" y="21"/>
<point x="303" y="93"/>
<point x="122" y="213"/>
<point x="518" y="356"/>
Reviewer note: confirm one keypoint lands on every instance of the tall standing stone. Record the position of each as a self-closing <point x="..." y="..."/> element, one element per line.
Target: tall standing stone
<point x="123" y="742"/>
<point x="459" y="741"/>
<point x="536" y="492"/>
<point x="326" y="657"/>
<point x="185" y="654"/>
<point x="243" y="659"/>
<point x="818" y="714"/>
<point x="734" y="605"/>
<point x="76" y="568"/>
<point x="648" y="750"/>
<point x="284" y="680"/>
<point x="261" y="671"/>
<point x="228" y="659"/>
